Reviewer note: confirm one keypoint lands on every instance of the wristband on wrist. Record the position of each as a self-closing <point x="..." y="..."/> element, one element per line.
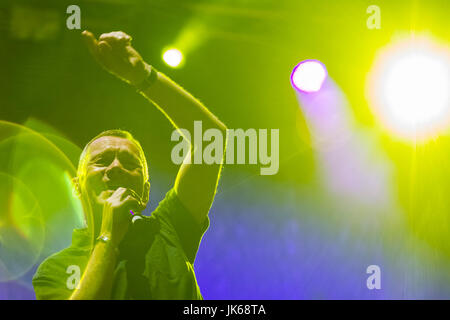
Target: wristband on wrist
<point x="107" y="240"/>
<point x="151" y="78"/>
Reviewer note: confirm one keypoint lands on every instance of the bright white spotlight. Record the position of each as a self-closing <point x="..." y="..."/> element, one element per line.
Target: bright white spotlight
<point x="308" y="76"/>
<point x="173" y="57"/>
<point x="410" y="89"/>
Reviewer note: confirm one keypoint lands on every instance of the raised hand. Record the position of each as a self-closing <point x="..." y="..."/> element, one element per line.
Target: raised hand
<point x="114" y="52"/>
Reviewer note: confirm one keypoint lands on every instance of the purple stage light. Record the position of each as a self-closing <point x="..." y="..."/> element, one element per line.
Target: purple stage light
<point x="308" y="76"/>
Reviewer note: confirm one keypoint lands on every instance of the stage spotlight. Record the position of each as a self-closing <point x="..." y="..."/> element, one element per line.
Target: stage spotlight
<point x="308" y="76"/>
<point x="173" y="57"/>
<point x="410" y="89"/>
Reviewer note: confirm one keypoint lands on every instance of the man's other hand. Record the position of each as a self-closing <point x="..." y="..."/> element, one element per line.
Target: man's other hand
<point x="116" y="213"/>
<point x="113" y="51"/>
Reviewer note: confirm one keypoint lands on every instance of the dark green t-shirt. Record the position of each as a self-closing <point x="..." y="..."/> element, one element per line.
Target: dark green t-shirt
<point x="156" y="258"/>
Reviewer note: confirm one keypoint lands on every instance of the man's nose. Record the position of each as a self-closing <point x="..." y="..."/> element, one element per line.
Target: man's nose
<point x="114" y="168"/>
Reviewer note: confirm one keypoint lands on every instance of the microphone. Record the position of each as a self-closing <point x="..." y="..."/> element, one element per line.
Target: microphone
<point x="136" y="217"/>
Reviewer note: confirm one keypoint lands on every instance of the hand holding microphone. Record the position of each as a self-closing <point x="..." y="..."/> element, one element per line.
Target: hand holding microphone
<point x="121" y="208"/>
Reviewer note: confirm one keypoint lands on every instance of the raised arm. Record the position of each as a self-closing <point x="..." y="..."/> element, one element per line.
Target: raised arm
<point x="195" y="184"/>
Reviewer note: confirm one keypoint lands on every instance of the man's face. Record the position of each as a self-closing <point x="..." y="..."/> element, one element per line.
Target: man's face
<point x="113" y="162"/>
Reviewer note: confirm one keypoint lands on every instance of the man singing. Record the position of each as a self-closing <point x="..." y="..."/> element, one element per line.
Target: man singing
<point x="152" y="257"/>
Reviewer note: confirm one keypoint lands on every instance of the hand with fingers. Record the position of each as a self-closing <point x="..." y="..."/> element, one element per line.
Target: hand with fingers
<point x="116" y="214"/>
<point x="114" y="52"/>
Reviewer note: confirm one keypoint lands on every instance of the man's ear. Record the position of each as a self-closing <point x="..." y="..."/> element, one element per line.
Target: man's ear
<point x="146" y="193"/>
<point x="76" y="190"/>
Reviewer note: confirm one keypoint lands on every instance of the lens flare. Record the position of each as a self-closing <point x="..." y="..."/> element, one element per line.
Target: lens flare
<point x="308" y="76"/>
<point x="22" y="228"/>
<point x="173" y="57"/>
<point x="409" y="89"/>
<point x="37" y="209"/>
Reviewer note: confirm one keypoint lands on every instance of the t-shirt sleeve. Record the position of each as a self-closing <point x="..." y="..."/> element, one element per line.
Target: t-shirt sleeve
<point x="176" y="216"/>
<point x="50" y="279"/>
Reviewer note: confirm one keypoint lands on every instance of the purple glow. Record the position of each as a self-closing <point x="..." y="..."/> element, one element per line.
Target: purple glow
<point x="349" y="165"/>
<point x="308" y="76"/>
